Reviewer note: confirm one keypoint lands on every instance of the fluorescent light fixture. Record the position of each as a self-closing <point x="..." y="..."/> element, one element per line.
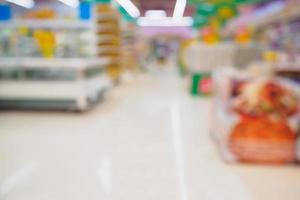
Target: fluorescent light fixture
<point x="71" y="3"/>
<point x="179" y="9"/>
<point x="132" y="10"/>
<point x="165" y="21"/>
<point x="23" y="3"/>
<point x="155" y="13"/>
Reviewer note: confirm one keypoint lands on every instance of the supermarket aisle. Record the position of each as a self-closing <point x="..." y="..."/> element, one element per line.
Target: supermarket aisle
<point x="149" y="140"/>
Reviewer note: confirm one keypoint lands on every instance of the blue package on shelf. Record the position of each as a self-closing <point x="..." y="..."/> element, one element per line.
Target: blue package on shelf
<point x="85" y="10"/>
<point x="5" y="12"/>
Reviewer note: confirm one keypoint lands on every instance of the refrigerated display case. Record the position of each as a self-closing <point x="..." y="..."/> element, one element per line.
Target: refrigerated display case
<point x="72" y="84"/>
<point x="50" y="64"/>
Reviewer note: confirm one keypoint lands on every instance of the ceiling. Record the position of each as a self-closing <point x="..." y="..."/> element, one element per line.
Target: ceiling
<point x="166" y="5"/>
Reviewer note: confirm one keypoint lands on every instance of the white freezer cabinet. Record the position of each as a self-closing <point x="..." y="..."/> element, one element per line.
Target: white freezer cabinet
<point x="69" y="84"/>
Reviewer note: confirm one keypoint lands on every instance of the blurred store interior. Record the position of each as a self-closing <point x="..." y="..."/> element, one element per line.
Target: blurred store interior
<point x="149" y="99"/>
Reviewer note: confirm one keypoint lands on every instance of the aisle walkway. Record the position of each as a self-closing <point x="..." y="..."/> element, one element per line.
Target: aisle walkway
<point x="148" y="141"/>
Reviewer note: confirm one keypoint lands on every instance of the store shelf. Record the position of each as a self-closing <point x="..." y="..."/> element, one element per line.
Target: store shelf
<point x="75" y="63"/>
<point x="288" y="66"/>
<point x="107" y="27"/>
<point x="287" y="13"/>
<point x="49" y="24"/>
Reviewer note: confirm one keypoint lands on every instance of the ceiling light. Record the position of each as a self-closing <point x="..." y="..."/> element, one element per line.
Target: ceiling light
<point x="165" y="21"/>
<point x="23" y="3"/>
<point x="71" y="3"/>
<point x="132" y="10"/>
<point x="155" y="13"/>
<point x="179" y="9"/>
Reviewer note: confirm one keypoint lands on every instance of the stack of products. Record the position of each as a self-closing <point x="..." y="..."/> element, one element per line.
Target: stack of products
<point x="256" y="118"/>
<point x="109" y="37"/>
<point x="129" y="52"/>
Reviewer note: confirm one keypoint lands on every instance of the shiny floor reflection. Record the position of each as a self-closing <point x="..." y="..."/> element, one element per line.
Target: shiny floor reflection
<point x="149" y="140"/>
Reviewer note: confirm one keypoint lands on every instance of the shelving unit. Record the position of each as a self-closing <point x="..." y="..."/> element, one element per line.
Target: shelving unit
<point x="287" y="12"/>
<point x="129" y="47"/>
<point x="108" y="33"/>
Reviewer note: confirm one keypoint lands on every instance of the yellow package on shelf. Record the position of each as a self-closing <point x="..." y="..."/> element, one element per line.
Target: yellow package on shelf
<point x="103" y="8"/>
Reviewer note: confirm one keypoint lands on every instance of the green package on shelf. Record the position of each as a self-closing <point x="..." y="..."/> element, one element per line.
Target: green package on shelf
<point x="201" y="84"/>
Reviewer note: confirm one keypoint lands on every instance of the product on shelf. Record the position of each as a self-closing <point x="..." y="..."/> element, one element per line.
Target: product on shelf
<point x="5" y="12"/>
<point x="256" y="119"/>
<point x="42" y="13"/>
<point x="46" y="42"/>
<point x="103" y="8"/>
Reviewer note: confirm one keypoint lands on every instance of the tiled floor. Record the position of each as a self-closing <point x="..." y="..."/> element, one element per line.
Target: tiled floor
<point x="149" y="140"/>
